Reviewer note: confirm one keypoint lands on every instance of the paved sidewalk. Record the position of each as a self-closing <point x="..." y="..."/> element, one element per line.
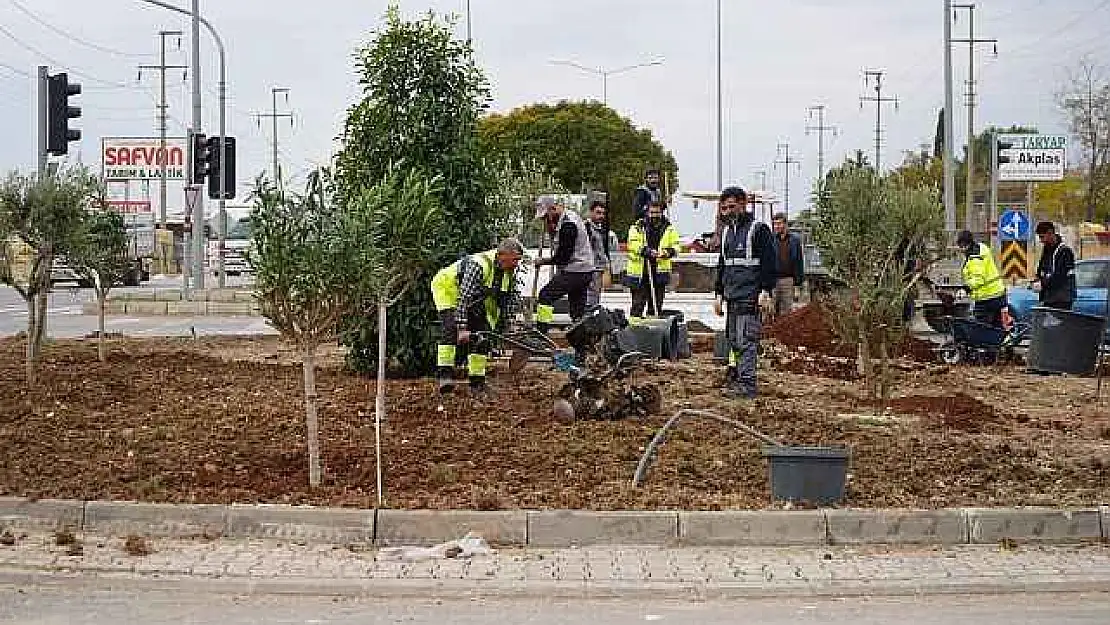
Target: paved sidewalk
<point x="270" y="566"/>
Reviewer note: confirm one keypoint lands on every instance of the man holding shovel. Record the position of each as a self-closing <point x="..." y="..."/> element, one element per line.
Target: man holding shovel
<point x="652" y="246"/>
<point x="745" y="280"/>
<point x="573" y="258"/>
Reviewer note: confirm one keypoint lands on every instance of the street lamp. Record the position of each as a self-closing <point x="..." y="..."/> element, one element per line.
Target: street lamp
<point x="198" y="219"/>
<point x="605" y="74"/>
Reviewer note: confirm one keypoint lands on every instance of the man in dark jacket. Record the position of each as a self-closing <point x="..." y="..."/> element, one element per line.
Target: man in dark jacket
<point x="647" y="193"/>
<point x="790" y="270"/>
<point x="1055" y="279"/>
<point x="573" y="258"/>
<point x="745" y="280"/>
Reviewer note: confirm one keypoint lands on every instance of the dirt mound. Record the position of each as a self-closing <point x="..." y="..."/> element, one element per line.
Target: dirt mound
<point x="958" y="412"/>
<point x="808" y="327"/>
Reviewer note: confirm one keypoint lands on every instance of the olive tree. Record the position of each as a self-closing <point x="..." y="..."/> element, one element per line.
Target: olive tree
<point x="390" y="227"/>
<point x="38" y="218"/>
<point x="98" y="253"/>
<point x="869" y="229"/>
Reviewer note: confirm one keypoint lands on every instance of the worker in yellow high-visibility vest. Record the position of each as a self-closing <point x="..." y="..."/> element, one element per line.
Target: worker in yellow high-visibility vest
<point x="982" y="279"/>
<point x="475" y="293"/>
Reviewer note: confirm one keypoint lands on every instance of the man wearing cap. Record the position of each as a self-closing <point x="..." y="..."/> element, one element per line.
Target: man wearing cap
<point x="1055" y="281"/>
<point x="475" y="293"/>
<point x="573" y="258"/>
<point x="746" y="277"/>
<point x="982" y="279"/>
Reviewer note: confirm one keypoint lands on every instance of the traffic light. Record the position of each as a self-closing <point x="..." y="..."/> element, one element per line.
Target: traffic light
<point x="1003" y="145"/>
<point x="214" y="157"/>
<point x="59" y="112"/>
<point x="198" y="169"/>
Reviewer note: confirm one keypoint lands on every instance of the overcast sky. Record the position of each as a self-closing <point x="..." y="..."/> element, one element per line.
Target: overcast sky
<point x="778" y="57"/>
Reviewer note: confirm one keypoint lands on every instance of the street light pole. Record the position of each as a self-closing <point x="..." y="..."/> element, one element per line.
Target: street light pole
<point x="198" y="218"/>
<point x="605" y="74"/>
<point x="720" y="114"/>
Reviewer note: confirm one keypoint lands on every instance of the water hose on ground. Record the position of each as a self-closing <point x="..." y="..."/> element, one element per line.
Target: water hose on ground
<point x="645" y="460"/>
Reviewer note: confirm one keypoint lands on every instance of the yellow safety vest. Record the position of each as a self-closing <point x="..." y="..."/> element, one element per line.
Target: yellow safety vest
<point x="637" y="241"/>
<point x="445" y="284"/>
<point x="981" y="275"/>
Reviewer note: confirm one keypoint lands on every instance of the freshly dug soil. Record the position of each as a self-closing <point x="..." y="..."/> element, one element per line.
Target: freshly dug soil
<point x="808" y="327"/>
<point x="222" y="420"/>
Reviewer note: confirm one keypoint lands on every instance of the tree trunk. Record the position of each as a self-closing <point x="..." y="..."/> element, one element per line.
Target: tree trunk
<point x="32" y="348"/>
<point x="101" y="348"/>
<point x="40" y="323"/>
<point x="884" y="370"/>
<point x="867" y="368"/>
<point x="379" y="398"/>
<point x="312" y="423"/>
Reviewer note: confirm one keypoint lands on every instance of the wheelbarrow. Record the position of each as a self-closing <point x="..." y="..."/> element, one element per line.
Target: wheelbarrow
<point x="974" y="342"/>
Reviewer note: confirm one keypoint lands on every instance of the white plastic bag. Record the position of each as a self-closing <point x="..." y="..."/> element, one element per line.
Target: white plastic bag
<point x="466" y="547"/>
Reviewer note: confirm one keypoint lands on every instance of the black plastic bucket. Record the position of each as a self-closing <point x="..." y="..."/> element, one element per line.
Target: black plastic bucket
<point x="815" y="475"/>
<point x="1064" y="341"/>
<point x="658" y="338"/>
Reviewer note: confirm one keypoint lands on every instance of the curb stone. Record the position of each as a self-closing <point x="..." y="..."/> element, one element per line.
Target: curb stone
<point x="566" y="528"/>
<point x="872" y="527"/>
<point x="751" y="527"/>
<point x="21" y="513"/>
<point x="117" y="518"/>
<point x="988" y="525"/>
<point x="334" y="525"/>
<point x="417" y="527"/>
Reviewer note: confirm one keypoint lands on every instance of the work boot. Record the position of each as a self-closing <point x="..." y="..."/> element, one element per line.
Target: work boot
<point x="445" y="380"/>
<point x="479" y="389"/>
<point x="735" y="390"/>
<point x="731" y="376"/>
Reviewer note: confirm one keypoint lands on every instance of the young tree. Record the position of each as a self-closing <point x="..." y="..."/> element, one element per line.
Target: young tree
<point x="391" y="226"/>
<point x="98" y="253"/>
<point x="39" y="215"/>
<point x="1085" y="102"/>
<point x="869" y="229"/>
<point x="514" y="187"/>
<point x="422" y="97"/>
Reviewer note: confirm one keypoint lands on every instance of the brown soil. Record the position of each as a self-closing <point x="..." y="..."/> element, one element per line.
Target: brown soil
<point x="222" y="420"/>
<point x="807" y="327"/>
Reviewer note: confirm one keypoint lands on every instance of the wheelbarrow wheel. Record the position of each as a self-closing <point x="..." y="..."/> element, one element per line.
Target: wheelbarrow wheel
<point x="950" y="354"/>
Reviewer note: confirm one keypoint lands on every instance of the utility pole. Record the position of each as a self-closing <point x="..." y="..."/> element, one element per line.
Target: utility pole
<point x="468" y="39"/>
<point x="949" y="132"/>
<point x="820" y="129"/>
<point x="787" y="161"/>
<point x="720" y="114"/>
<point x="274" y="116"/>
<point x="162" y="114"/>
<point x="40" y="146"/>
<point x="879" y="100"/>
<point x="198" y="211"/>
<point x="971" y="41"/>
<point x="762" y="173"/>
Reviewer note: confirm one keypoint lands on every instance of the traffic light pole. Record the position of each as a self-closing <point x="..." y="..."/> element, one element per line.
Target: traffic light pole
<point x="44" y="90"/>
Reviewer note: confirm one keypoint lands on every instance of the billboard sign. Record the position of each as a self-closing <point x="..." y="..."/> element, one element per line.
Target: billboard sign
<point x="141" y="158"/>
<point x="1031" y="158"/>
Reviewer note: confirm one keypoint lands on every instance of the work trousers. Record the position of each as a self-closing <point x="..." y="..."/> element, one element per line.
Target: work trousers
<point x="593" y="295"/>
<point x="476" y="353"/>
<point x="574" y="285"/>
<point x="641" y="296"/>
<point x="743" y="329"/>
<point x="989" y="311"/>
<point x="784" y="296"/>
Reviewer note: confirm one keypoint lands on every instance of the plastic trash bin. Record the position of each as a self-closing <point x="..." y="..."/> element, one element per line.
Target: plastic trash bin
<point x="1063" y="341"/>
<point x="815" y="475"/>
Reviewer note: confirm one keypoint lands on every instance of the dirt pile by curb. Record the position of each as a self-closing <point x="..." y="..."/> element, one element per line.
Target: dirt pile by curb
<point x="809" y="327"/>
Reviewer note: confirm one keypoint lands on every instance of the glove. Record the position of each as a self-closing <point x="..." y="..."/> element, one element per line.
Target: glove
<point x="766" y="302"/>
<point x="719" y="306"/>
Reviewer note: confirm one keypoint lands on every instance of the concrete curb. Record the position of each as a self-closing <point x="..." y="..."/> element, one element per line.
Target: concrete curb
<point x="566" y="528"/>
<point x="465" y="589"/>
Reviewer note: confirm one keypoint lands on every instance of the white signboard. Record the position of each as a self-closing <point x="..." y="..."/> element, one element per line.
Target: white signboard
<point x="1033" y="158"/>
<point x="141" y="158"/>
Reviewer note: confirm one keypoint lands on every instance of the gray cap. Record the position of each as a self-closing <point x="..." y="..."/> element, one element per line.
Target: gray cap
<point x="545" y="203"/>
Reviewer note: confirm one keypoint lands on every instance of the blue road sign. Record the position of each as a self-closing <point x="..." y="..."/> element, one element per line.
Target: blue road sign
<point x="1013" y="225"/>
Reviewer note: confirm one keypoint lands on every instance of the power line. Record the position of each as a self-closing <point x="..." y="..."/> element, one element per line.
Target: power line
<point x="72" y="37"/>
<point x="879" y="100"/>
<point x="15" y="70"/>
<point x="39" y="53"/>
<point x="1078" y="18"/>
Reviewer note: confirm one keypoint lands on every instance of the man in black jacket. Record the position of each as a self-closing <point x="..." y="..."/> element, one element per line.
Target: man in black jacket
<point x="646" y="194"/>
<point x="745" y="280"/>
<point x="1055" y="279"/>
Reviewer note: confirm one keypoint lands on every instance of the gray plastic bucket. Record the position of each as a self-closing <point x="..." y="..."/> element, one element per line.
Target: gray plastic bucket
<point x="1064" y="341"/>
<point x="815" y="475"/>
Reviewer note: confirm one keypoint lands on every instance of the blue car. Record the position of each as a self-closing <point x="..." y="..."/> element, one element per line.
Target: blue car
<point x="1092" y="278"/>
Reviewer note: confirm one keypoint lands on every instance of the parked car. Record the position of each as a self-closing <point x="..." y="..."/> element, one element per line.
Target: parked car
<point x="1092" y="278"/>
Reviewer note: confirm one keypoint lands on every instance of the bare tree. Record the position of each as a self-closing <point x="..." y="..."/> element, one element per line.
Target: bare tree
<point x="1085" y="102"/>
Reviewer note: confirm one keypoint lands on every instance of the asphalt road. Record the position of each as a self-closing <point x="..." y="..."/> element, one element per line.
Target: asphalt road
<point x="57" y="605"/>
<point x="66" y="321"/>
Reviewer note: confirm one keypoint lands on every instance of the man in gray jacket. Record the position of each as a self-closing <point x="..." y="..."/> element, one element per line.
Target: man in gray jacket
<point x="601" y="243"/>
<point x="573" y="258"/>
